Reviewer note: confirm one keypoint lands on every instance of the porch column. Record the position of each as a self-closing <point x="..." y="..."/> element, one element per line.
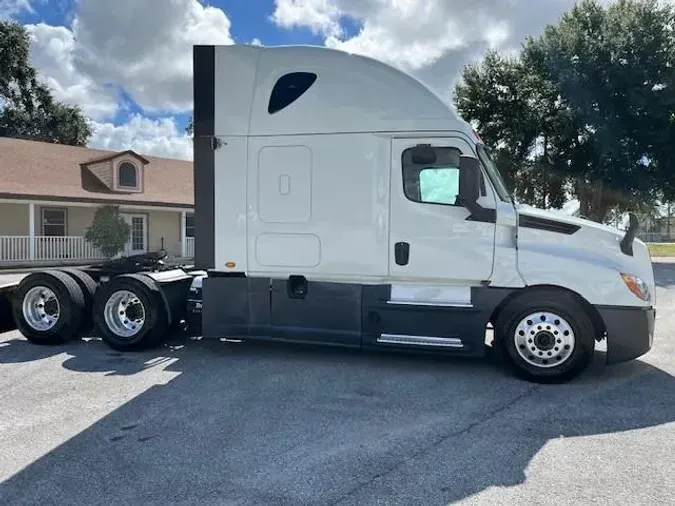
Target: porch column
<point x="31" y="231"/>
<point x="183" y="236"/>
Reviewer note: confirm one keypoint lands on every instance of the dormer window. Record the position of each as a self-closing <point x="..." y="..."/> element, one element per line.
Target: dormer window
<point x="127" y="176"/>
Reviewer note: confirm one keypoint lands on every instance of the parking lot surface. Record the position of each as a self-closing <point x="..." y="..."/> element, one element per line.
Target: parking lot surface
<point x="211" y="423"/>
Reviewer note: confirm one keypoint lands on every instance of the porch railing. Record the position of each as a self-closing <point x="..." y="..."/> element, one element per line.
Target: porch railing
<point x="18" y="249"/>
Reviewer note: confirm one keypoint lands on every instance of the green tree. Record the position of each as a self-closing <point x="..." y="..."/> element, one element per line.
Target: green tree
<point x="190" y="128"/>
<point x="592" y="103"/>
<point x="512" y="111"/>
<point x="27" y="108"/>
<point x="108" y="231"/>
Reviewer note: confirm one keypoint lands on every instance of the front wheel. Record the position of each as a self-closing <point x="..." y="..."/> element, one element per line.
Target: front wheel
<point x="546" y="336"/>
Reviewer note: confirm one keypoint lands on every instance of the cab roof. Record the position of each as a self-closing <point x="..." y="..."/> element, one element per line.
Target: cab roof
<point x="303" y="90"/>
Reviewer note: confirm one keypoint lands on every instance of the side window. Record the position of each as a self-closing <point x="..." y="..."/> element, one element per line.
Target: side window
<point x="439" y="185"/>
<point x="288" y="89"/>
<point x="436" y="183"/>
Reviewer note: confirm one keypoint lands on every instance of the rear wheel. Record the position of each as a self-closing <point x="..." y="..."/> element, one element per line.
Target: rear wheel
<point x="48" y="308"/>
<point x="129" y="313"/>
<point x="88" y="287"/>
<point x="546" y="336"/>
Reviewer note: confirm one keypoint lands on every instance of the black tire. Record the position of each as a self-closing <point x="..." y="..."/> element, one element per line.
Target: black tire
<point x="88" y="287"/>
<point x="540" y="363"/>
<point x="155" y="325"/>
<point x="70" y="299"/>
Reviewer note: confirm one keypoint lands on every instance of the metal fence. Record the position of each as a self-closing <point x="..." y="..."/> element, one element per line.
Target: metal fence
<point x="656" y="236"/>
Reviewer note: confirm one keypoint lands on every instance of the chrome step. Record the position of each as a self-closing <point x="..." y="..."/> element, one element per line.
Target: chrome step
<point x="445" y="342"/>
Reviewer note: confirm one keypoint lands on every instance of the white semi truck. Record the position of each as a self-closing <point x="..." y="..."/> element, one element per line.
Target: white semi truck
<point x="339" y="201"/>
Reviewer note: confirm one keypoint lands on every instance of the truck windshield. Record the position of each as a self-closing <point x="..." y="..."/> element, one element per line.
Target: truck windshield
<point x="493" y="173"/>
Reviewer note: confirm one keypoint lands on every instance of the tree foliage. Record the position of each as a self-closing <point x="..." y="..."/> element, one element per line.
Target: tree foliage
<point x="108" y="231"/>
<point x="27" y="108"/>
<point x="514" y="113"/>
<point x="587" y="108"/>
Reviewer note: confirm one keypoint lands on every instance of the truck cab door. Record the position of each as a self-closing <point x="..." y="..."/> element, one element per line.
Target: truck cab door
<point x="440" y="253"/>
<point x="435" y="240"/>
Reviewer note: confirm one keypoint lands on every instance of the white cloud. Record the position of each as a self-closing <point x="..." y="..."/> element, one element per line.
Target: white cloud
<point x="143" y="48"/>
<point x="52" y="50"/>
<point x="146" y="47"/>
<point x="159" y="137"/>
<point x="432" y="38"/>
<point x="10" y="8"/>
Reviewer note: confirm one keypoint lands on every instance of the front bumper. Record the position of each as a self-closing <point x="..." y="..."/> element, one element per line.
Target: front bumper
<point x="630" y="332"/>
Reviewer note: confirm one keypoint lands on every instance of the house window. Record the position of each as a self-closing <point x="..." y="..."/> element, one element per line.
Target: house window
<point x="190" y="225"/>
<point x="288" y="89"/>
<point x="127" y="175"/>
<point x="54" y="222"/>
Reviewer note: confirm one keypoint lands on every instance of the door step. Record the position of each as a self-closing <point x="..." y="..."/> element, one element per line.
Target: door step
<point x="442" y="342"/>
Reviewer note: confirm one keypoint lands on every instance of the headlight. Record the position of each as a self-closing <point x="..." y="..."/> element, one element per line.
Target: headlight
<point x="637" y="286"/>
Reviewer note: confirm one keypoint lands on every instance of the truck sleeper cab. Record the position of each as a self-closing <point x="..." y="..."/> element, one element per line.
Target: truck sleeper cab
<point x="338" y="201"/>
<point x="342" y="202"/>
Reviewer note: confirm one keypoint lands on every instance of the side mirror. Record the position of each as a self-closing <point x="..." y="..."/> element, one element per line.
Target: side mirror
<point x="469" y="180"/>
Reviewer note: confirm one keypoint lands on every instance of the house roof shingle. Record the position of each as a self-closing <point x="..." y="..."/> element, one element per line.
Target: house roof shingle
<point x="31" y="169"/>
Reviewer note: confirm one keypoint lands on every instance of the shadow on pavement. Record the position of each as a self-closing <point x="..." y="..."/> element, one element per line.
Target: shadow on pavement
<point x="273" y="425"/>
<point x="87" y="355"/>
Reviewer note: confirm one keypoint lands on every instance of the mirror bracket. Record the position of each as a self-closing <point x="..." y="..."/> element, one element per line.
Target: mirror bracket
<point x="480" y="213"/>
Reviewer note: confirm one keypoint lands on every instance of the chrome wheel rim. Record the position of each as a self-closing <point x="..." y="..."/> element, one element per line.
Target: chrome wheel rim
<point x="124" y="314"/>
<point x="544" y="339"/>
<point x="41" y="308"/>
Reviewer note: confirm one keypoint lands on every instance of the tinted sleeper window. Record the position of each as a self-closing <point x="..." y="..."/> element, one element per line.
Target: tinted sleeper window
<point x="288" y="89"/>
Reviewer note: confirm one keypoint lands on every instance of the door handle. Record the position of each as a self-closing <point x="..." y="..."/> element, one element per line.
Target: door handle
<point x="402" y="253"/>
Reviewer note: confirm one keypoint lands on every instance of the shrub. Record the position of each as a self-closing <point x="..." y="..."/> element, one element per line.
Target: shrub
<point x="108" y="231"/>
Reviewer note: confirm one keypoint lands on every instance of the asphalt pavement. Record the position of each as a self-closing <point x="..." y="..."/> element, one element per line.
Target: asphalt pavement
<point x="211" y="423"/>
